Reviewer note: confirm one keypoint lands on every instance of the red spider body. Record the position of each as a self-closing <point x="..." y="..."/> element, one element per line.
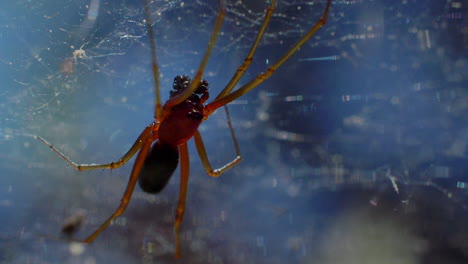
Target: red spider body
<point x="175" y="129"/>
<point x="183" y="120"/>
<point x="180" y="125"/>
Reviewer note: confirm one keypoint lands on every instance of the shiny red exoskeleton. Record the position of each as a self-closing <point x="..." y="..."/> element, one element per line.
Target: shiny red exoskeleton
<point x="178" y="127"/>
<point x="184" y="118"/>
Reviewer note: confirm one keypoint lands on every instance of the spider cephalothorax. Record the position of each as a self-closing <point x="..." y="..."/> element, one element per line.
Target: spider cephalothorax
<point x="182" y="82"/>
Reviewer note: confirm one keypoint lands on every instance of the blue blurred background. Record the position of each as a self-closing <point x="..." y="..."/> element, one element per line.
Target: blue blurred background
<point x="355" y="151"/>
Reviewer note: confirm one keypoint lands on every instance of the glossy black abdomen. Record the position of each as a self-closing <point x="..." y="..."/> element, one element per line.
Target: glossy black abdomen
<point x="158" y="168"/>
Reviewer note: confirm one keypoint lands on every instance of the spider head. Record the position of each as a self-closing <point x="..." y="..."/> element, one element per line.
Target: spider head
<point x="182" y="82"/>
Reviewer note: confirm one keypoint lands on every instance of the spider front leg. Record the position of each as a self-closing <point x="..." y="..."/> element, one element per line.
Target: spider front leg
<point x="112" y="165"/>
<point x="249" y="58"/>
<point x="179" y="98"/>
<point x="204" y="157"/>
<point x="260" y="78"/>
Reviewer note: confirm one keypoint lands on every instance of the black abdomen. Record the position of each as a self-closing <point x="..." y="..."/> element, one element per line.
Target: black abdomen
<point x="158" y="168"/>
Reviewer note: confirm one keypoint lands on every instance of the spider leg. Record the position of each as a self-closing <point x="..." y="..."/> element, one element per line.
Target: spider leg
<point x="267" y="74"/>
<point x="112" y="165"/>
<point x="204" y="157"/>
<point x="128" y="191"/>
<point x="184" y="175"/>
<point x="154" y="62"/>
<point x="175" y="100"/>
<point x="249" y="58"/>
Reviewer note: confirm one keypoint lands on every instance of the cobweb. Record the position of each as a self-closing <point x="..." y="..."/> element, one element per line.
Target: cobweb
<point x="360" y="136"/>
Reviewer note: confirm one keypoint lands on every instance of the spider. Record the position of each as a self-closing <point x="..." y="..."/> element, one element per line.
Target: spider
<point x="163" y="143"/>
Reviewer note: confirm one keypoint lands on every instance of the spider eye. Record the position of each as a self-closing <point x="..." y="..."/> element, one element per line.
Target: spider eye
<point x="181" y="82"/>
<point x="195" y="115"/>
<point x="202" y="88"/>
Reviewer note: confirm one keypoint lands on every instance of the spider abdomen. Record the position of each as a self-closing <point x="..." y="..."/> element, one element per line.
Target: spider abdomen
<point x="158" y="168"/>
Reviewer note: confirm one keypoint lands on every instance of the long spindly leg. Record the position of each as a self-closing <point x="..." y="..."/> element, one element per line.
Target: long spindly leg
<point x="128" y="191"/>
<point x="175" y="100"/>
<point x="248" y="59"/>
<point x="204" y="157"/>
<point x="267" y="74"/>
<point x="112" y="165"/>
<point x="184" y="175"/>
<point x="154" y="62"/>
